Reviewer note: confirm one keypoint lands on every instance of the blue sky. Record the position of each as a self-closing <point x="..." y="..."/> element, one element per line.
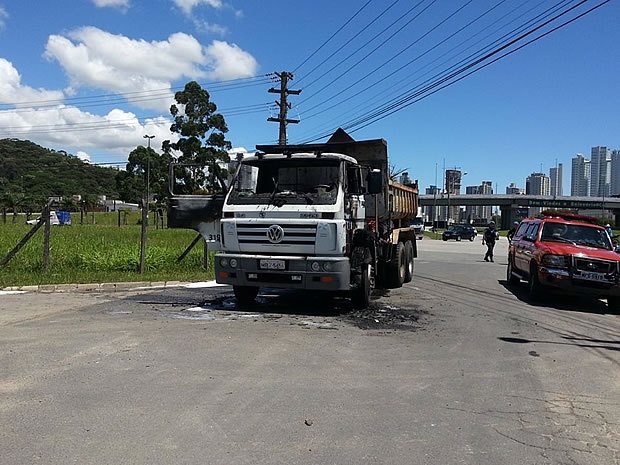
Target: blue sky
<point x="93" y="76"/>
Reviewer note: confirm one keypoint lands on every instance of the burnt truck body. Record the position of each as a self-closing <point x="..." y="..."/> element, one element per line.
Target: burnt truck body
<point x="323" y="217"/>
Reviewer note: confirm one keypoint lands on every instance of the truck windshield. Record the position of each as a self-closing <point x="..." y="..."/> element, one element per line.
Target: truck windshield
<point x="576" y="234"/>
<point x="292" y="181"/>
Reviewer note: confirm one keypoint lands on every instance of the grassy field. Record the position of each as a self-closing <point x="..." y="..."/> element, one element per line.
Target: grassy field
<point x="99" y="253"/>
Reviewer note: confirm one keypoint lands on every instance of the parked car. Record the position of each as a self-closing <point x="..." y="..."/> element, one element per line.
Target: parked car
<point x="460" y="231"/>
<point x="418" y="227"/>
<point x="567" y="252"/>
<point x="56" y="219"/>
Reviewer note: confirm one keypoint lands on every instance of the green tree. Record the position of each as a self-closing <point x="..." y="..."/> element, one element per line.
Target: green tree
<point x="201" y="141"/>
<point x="131" y="183"/>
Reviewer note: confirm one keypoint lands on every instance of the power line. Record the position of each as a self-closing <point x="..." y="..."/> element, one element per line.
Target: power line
<point x="348" y="41"/>
<point x="367" y="43"/>
<point x="161" y="91"/>
<point x="392" y="92"/>
<point x="332" y="36"/>
<point x="112" y="101"/>
<point x="510" y="52"/>
<point x="386" y="110"/>
<point x="385" y="63"/>
<point x="547" y="13"/>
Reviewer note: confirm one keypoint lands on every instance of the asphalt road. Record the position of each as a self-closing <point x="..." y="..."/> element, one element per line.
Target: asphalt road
<point x="455" y="368"/>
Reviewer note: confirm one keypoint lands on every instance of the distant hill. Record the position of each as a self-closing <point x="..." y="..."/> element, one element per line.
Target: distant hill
<point x="40" y="172"/>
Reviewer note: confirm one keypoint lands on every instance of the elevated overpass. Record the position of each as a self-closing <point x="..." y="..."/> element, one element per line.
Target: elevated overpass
<point x="510" y="203"/>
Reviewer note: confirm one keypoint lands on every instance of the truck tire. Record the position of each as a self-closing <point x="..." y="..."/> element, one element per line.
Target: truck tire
<point x="245" y="294"/>
<point x="396" y="268"/>
<point x="408" y="262"/>
<point x="360" y="297"/>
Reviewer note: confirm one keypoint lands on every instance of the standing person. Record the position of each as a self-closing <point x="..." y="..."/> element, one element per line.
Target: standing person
<point x="489" y="236"/>
<point x="513" y="231"/>
<point x="609" y="230"/>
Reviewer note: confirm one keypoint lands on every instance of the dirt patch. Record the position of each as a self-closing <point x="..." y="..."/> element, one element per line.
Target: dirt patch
<point x="385" y="317"/>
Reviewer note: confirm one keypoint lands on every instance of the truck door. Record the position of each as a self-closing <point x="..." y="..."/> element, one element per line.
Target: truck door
<point x="525" y="251"/>
<point x="355" y="209"/>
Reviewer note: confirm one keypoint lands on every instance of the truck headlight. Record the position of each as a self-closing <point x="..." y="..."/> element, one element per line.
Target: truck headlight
<point x="327" y="266"/>
<point x="556" y="261"/>
<point x="224" y="262"/>
<point x="315" y="266"/>
<point x="233" y="263"/>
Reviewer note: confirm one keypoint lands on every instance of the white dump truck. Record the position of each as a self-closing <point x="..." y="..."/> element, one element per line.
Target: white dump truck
<point x="320" y="217"/>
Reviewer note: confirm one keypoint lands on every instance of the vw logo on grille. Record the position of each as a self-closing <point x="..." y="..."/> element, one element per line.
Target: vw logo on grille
<point x="275" y="234"/>
<point x="591" y="266"/>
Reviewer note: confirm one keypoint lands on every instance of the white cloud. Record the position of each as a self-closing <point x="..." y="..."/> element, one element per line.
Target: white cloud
<point x="123" y="4"/>
<point x="188" y="5"/>
<point x="95" y="58"/>
<point x="209" y="28"/>
<point x="3" y="17"/>
<point x="67" y="127"/>
<point x="12" y="91"/>
<point x="83" y="156"/>
<point x="228" y="61"/>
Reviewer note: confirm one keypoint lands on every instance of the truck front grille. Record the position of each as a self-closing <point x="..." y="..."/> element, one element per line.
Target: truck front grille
<point x="595" y="265"/>
<point x="294" y="234"/>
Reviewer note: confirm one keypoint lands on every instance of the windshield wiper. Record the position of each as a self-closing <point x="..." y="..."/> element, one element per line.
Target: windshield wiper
<point x="275" y="190"/>
<point x="559" y="239"/>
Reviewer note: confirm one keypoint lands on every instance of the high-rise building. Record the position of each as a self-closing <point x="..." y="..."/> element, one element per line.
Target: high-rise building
<point x="453" y="187"/>
<point x="600" y="172"/>
<point x="557" y="180"/>
<point x="431" y="213"/>
<point x="471" y="211"/>
<point x="486" y="211"/>
<point x="479" y="212"/>
<point x="538" y="184"/>
<point x="580" y="176"/>
<point x="615" y="173"/>
<point x="512" y="189"/>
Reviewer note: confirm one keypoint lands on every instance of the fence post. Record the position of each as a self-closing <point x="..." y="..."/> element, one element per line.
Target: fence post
<point x="119" y="218"/>
<point x="143" y="237"/>
<point x="46" y="240"/>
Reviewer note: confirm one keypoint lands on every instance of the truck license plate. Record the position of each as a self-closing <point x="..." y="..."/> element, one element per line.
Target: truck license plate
<point x="590" y="276"/>
<point x="272" y="264"/>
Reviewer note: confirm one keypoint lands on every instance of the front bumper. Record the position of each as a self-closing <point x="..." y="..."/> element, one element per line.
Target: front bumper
<point x="562" y="279"/>
<point x="296" y="275"/>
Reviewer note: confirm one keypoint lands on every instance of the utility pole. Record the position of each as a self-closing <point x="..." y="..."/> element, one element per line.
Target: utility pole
<point x="284" y="91"/>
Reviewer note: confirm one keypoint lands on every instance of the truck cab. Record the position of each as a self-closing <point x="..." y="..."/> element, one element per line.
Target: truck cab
<point x="288" y="221"/>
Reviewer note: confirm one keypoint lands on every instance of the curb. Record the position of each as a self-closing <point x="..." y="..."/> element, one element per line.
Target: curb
<point x="106" y="287"/>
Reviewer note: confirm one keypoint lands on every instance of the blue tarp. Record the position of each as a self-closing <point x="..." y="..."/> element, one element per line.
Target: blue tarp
<point x="64" y="217"/>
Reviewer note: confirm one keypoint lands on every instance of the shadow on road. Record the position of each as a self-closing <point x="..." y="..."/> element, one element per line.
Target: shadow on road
<point x="518" y="340"/>
<point x="557" y="300"/>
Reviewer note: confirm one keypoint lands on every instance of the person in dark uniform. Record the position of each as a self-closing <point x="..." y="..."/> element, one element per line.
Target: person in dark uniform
<point x="489" y="236"/>
<point x="513" y="231"/>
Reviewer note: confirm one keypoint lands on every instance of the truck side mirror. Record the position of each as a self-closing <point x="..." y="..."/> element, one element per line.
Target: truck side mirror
<point x="375" y="182"/>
